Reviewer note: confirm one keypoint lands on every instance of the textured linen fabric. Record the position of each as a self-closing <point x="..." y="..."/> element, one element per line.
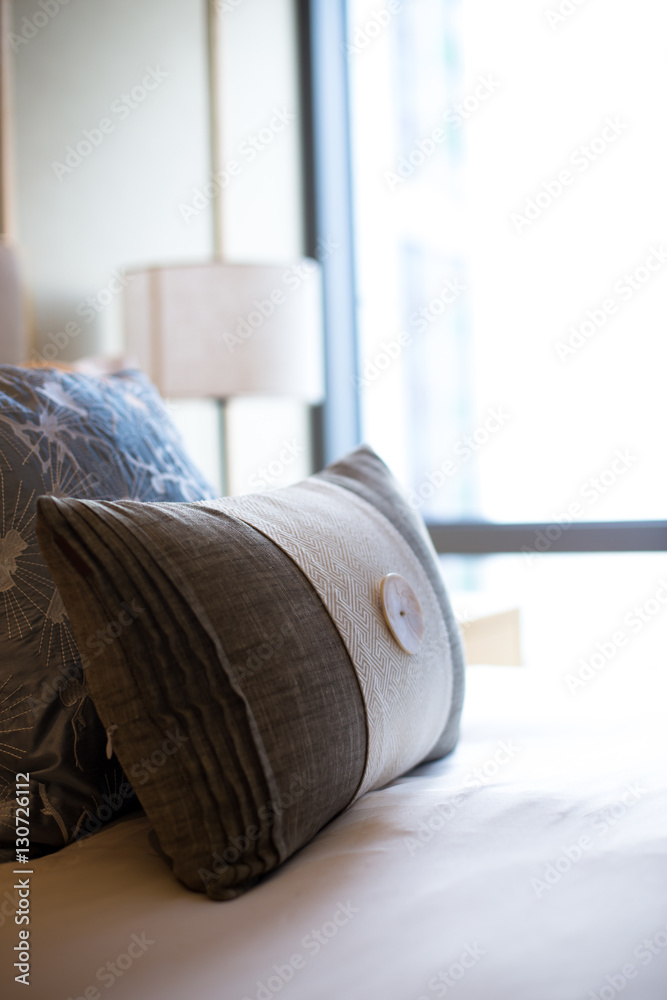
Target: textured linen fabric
<point x="346" y="547"/>
<point x="236" y="700"/>
<point x="365" y="474"/>
<point x="66" y="434"/>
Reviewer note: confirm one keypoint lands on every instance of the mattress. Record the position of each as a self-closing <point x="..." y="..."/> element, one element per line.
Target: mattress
<point x="531" y="864"/>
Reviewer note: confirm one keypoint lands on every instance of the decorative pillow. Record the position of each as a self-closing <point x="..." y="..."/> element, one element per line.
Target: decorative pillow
<point x="291" y="650"/>
<point x="68" y="435"/>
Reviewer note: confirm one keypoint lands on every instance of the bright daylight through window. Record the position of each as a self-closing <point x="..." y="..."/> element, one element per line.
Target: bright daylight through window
<point x="511" y="243"/>
<point x="512" y="252"/>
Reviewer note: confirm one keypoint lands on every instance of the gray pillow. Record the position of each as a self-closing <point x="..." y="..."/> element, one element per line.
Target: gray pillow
<point x="289" y="651"/>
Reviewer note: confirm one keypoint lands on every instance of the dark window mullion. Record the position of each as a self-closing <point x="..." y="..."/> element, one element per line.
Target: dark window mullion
<point x="480" y="538"/>
<point x="328" y="196"/>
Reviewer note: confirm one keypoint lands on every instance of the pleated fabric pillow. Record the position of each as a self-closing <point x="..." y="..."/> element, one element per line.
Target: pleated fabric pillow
<point x="280" y="654"/>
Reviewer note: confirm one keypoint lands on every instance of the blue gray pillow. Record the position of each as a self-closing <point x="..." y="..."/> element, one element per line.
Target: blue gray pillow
<point x="68" y="435"/>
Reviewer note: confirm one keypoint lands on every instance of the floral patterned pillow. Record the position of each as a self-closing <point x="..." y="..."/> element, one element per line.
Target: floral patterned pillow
<point x="70" y="435"/>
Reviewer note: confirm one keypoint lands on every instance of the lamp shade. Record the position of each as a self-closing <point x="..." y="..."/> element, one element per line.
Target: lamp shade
<point x="223" y="330"/>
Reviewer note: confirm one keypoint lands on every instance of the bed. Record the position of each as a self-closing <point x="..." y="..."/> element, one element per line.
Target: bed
<point x="530" y="864"/>
<point x="527" y="862"/>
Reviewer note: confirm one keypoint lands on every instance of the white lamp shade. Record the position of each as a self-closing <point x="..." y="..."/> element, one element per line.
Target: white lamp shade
<point x="222" y="330"/>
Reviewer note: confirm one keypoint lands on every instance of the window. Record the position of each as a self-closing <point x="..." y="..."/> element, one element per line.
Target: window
<point x="494" y="173"/>
<point x="508" y="166"/>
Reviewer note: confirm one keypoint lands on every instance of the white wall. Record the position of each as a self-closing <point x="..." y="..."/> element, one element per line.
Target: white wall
<point x="257" y="76"/>
<point x="145" y="192"/>
<point x="119" y="206"/>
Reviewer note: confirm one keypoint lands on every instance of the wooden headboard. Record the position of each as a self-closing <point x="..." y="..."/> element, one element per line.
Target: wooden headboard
<point x="13" y="339"/>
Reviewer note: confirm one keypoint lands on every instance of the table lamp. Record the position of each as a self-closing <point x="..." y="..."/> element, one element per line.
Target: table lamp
<point x="220" y="330"/>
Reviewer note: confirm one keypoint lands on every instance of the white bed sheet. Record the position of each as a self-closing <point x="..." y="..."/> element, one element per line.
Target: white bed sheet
<point x="463" y="911"/>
